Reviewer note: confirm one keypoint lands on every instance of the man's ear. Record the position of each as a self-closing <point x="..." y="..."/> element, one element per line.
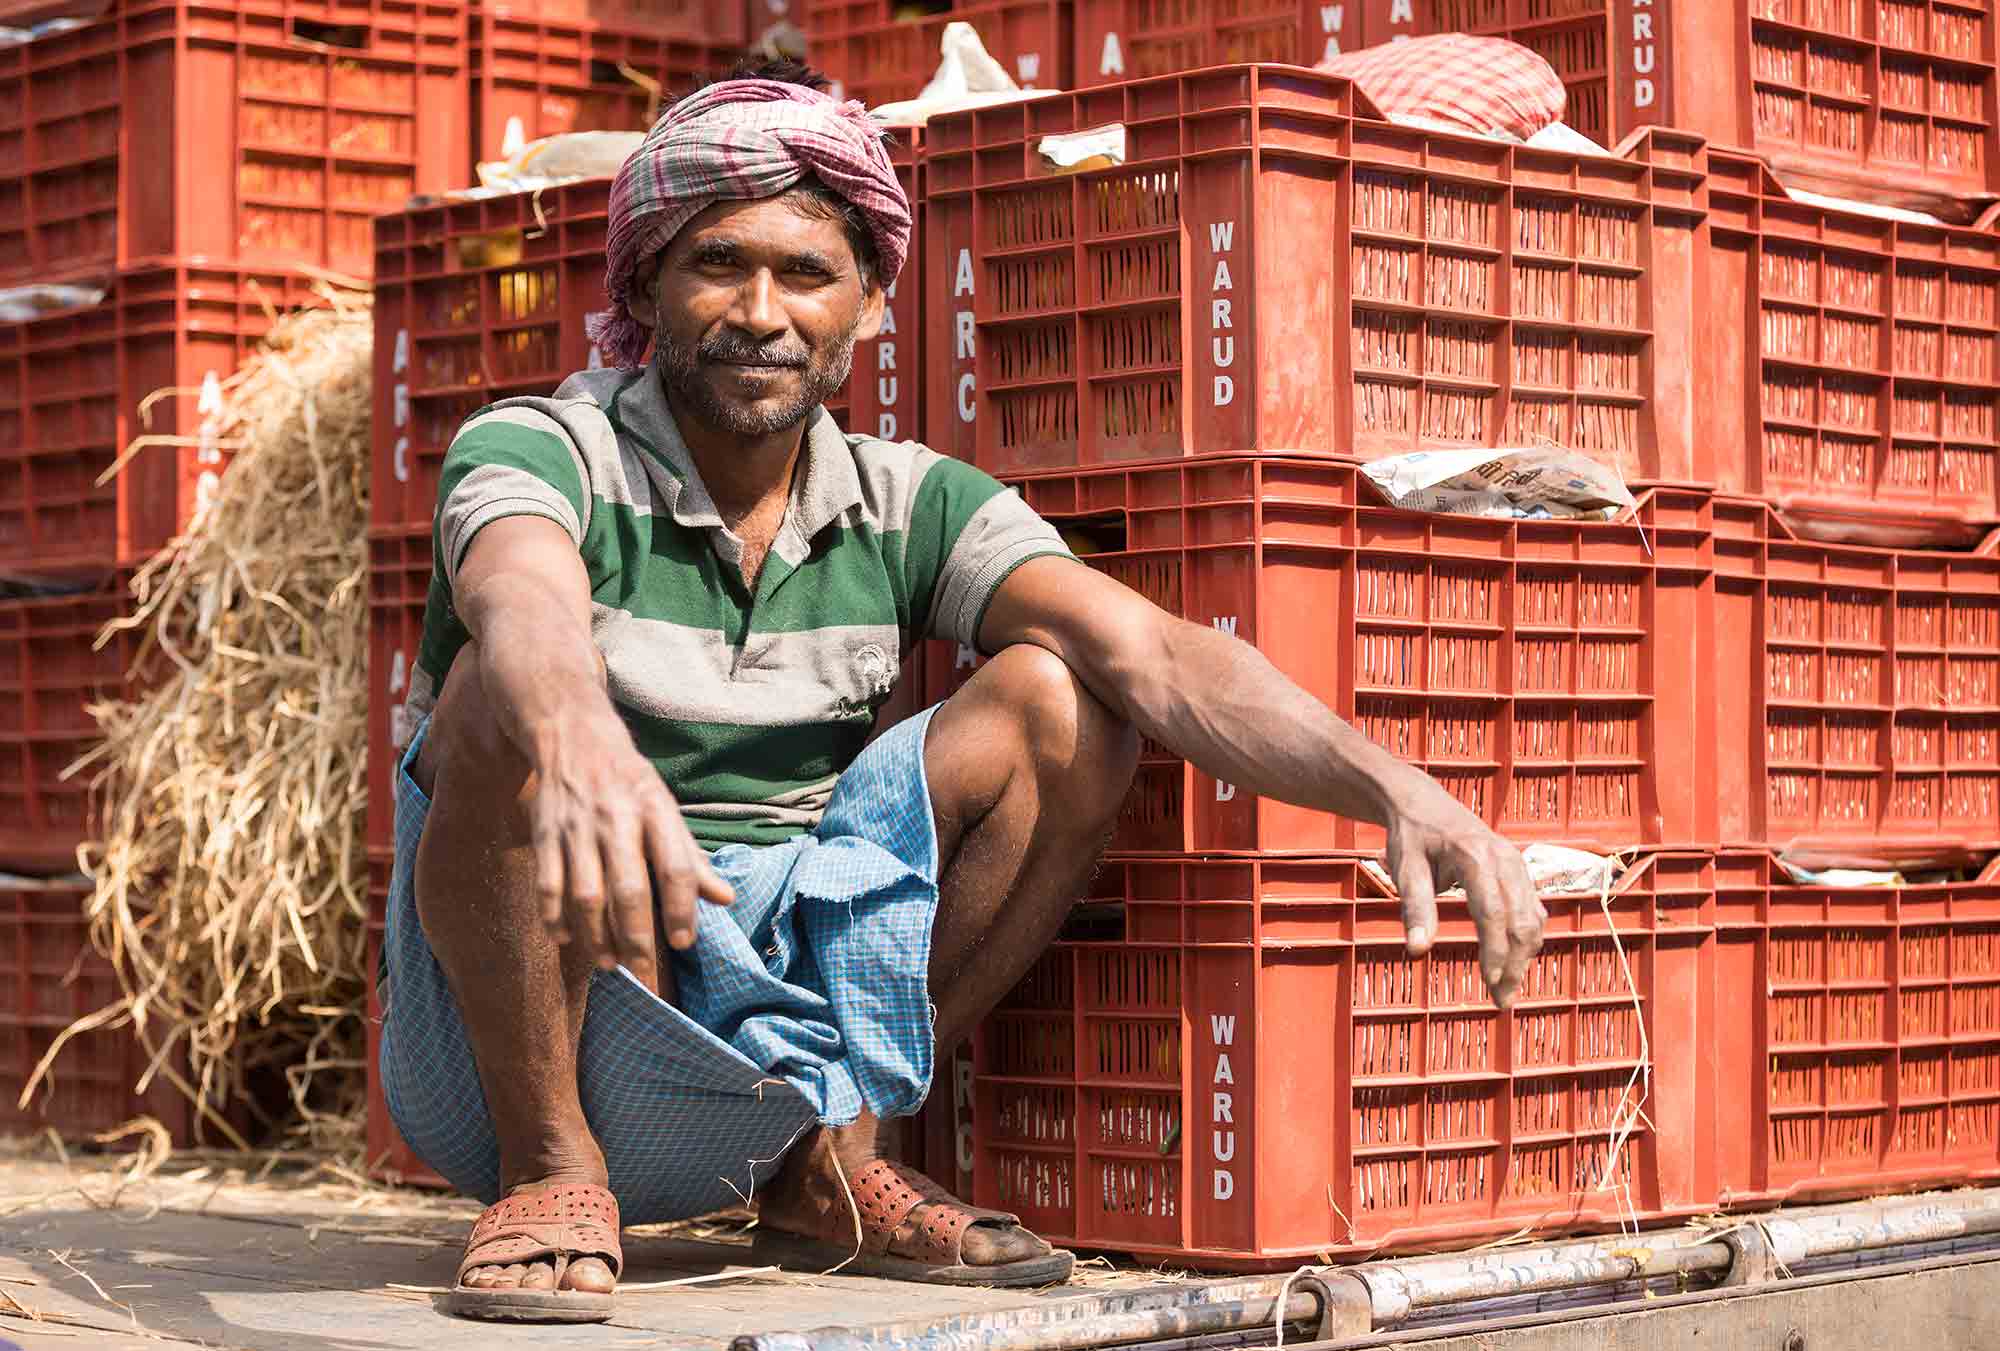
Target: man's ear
<point x="643" y="299"/>
<point x="873" y="302"/>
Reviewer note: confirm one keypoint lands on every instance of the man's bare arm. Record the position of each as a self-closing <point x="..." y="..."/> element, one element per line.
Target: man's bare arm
<point x="522" y="593"/>
<point x="605" y="826"/>
<point x="1225" y="707"/>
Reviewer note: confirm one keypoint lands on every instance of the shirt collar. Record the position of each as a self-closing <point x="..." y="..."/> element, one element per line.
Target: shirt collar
<point x="830" y="485"/>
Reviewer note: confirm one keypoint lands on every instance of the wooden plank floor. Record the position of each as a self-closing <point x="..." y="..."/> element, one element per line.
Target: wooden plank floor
<point x="200" y="1254"/>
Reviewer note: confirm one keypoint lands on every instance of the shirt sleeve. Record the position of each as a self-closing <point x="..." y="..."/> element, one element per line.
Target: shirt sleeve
<point x="968" y="533"/>
<point x="510" y="459"/>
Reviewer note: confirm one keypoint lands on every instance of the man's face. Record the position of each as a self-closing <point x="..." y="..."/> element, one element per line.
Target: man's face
<point x="755" y="311"/>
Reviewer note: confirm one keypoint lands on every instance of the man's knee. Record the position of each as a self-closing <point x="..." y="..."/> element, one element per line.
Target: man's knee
<point x="1063" y="726"/>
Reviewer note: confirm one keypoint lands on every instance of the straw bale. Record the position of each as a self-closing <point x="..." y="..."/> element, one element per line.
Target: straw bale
<point x="230" y="888"/>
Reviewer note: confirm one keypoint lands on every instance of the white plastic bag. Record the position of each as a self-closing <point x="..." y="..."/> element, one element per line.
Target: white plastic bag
<point x="1554" y="870"/>
<point x="1557" y="871"/>
<point x="21" y="303"/>
<point x="1097" y="148"/>
<point x="561" y="159"/>
<point x="967" y="77"/>
<point x="1530" y="481"/>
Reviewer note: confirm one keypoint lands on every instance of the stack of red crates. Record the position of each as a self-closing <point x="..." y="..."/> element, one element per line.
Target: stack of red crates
<point x="188" y="169"/>
<point x="1230" y="1060"/>
<point x="1233" y="1061"/>
<point x="554" y="66"/>
<point x="1484" y="293"/>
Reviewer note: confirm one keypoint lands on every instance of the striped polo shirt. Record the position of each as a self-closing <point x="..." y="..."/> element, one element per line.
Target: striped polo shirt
<point x="750" y="706"/>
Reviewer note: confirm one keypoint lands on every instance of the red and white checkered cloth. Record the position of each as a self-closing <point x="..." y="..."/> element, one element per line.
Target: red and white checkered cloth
<point x="736" y="140"/>
<point x="1480" y="84"/>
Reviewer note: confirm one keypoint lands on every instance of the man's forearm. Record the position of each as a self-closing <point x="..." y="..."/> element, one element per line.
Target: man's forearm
<point x="1221" y="704"/>
<point x="537" y="658"/>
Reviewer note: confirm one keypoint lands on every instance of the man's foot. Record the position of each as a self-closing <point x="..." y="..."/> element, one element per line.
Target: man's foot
<point x="547" y="1251"/>
<point x="910" y="1228"/>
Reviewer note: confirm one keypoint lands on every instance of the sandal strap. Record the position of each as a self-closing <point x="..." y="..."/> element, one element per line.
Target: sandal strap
<point x="887" y="1192"/>
<point x="940" y="1237"/>
<point x="565" y="1221"/>
<point x="885" y="1197"/>
<point x="934" y="1191"/>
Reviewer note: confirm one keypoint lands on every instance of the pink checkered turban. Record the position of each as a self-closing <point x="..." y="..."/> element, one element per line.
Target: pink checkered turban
<point x="734" y="141"/>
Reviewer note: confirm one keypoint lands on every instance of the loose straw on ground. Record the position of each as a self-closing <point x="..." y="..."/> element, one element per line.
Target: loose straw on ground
<point x="231" y="882"/>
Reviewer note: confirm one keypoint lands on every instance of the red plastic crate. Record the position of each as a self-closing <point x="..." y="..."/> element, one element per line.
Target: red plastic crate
<point x="711" y="22"/>
<point x="250" y="135"/>
<point x="938" y="1140"/>
<point x="389" y="1159"/>
<point x="1869" y="716"/>
<point x="50" y="672"/>
<point x="884" y="395"/>
<point x="49" y="977"/>
<point x="71" y="385"/>
<point x="399" y="579"/>
<point x="1133" y="39"/>
<point x="876" y="57"/>
<point x="1182" y="303"/>
<point x="1250" y="1070"/>
<point x="1552" y="675"/>
<point x="1894" y="99"/>
<point x="1871" y="1049"/>
<point x="475" y="301"/>
<point x="1852" y="364"/>
<point x="555" y="75"/>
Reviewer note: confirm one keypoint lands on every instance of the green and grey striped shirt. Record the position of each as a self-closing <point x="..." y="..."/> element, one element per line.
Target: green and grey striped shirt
<point x="749" y="705"/>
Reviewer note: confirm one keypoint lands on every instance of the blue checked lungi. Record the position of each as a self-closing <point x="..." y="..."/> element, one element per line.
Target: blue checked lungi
<point x="804" y="1001"/>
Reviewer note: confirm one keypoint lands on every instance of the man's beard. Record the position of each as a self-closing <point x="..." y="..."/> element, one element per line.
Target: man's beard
<point x="684" y="372"/>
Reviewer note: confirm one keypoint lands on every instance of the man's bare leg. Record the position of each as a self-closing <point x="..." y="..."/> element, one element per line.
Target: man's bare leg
<point x="1027" y="773"/>
<point x="521" y="993"/>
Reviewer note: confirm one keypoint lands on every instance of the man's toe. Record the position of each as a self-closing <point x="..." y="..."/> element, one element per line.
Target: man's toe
<point x="540" y="1276"/>
<point x="988" y="1245"/>
<point x="478" y="1278"/>
<point x="590" y="1276"/>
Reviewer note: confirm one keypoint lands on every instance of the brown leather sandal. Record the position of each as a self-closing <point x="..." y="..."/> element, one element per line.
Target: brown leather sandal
<point x="565" y="1222"/>
<point x="932" y="1250"/>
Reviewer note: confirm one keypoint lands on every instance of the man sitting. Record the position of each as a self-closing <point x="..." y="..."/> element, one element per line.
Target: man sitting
<point x="662" y="934"/>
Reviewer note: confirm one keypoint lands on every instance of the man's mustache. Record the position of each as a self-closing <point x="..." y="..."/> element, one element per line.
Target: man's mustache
<point x="743" y="350"/>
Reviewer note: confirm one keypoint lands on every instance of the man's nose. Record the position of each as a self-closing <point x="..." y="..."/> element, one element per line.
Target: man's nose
<point x="757" y="310"/>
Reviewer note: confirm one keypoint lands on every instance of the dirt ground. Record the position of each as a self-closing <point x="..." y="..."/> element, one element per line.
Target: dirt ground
<point x="284" y="1254"/>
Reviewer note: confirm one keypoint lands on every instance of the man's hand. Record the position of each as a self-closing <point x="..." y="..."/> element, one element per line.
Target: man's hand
<point x="1434" y="844"/>
<point x="606" y="832"/>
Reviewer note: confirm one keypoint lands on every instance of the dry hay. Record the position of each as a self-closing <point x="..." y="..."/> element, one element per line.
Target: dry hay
<point x="231" y="885"/>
